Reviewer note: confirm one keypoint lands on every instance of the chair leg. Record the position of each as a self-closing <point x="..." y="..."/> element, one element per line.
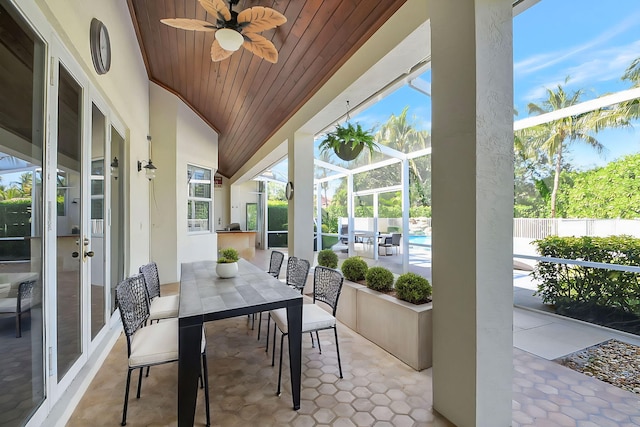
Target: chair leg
<point x="126" y="399"/>
<point x="313" y="345"/>
<point x="266" y="349"/>
<point x="206" y="388"/>
<point x="139" y="383"/>
<point x="335" y="330"/>
<point x="280" y="368"/>
<point x="259" y="325"/>
<point x="318" y="338"/>
<point x="273" y="353"/>
<point x="18" y="325"/>
<point x="148" y="368"/>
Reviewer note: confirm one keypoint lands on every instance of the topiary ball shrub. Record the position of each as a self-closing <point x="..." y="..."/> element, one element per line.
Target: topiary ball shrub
<point x="354" y="268"/>
<point x="379" y="279"/>
<point x="328" y="258"/>
<point x="413" y="288"/>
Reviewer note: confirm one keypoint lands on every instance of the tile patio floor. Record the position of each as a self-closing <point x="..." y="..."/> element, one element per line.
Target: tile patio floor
<point x="377" y="389"/>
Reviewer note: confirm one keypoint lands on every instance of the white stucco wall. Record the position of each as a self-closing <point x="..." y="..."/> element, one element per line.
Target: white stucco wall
<point x="221" y="204"/>
<point x="197" y="145"/>
<point x="241" y="194"/>
<point x="124" y="88"/>
<point x="163" y="131"/>
<point x="179" y="137"/>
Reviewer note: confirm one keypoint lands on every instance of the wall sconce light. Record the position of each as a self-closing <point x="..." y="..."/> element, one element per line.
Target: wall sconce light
<point x="114" y="168"/>
<point x="150" y="171"/>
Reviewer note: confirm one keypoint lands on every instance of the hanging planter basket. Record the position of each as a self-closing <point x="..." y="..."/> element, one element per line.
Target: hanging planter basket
<point x="348" y="152"/>
<point x="348" y="141"/>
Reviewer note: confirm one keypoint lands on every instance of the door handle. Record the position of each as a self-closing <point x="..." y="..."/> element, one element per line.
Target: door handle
<point x="89" y="254"/>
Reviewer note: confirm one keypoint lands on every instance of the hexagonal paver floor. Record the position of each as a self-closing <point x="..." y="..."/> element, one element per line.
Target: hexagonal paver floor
<point x="377" y="389"/>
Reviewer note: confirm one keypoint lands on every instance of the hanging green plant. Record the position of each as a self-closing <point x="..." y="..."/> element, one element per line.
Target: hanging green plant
<point x="348" y="141"/>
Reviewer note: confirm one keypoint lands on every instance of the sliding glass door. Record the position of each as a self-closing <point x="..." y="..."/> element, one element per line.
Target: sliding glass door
<point x="22" y="88"/>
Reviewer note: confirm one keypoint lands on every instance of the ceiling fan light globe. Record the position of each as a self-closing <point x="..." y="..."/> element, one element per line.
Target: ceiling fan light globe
<point x="229" y="39"/>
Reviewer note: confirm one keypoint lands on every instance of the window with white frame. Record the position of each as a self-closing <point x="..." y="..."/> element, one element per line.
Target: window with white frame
<point x="199" y="199"/>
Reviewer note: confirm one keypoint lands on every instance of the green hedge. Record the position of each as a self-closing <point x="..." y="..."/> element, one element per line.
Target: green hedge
<point x="413" y="288"/>
<point x="15" y="217"/>
<point x="328" y="258"/>
<point x="277" y="215"/>
<point x="571" y="286"/>
<point x="354" y="268"/>
<point x="379" y="279"/>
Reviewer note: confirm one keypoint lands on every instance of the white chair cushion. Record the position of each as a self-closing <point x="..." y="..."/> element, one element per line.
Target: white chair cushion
<point x="157" y="343"/>
<point x="8" y="305"/>
<point x="5" y="290"/>
<point x="164" y="307"/>
<point x="313" y="318"/>
<point x="154" y="344"/>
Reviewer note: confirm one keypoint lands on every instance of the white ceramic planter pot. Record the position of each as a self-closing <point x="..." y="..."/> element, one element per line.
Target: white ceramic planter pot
<point x="227" y="270"/>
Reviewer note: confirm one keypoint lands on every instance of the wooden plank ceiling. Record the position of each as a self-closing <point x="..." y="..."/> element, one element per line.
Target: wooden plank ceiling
<point x="244" y="98"/>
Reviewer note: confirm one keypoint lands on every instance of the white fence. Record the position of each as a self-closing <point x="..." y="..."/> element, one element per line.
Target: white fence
<point x="538" y="228"/>
<point x="523" y="228"/>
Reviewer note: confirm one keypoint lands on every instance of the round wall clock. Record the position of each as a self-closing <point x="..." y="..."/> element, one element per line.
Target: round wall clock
<point x="100" y="46"/>
<point x="289" y="190"/>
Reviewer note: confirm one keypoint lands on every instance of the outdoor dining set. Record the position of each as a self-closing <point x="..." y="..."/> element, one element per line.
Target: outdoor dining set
<point x="171" y="328"/>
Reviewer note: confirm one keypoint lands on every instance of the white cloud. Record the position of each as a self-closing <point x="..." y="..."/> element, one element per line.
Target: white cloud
<point x="600" y="65"/>
<point x="542" y="61"/>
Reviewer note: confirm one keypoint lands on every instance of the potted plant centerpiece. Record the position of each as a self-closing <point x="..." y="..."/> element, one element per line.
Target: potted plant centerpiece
<point x="227" y="266"/>
<point x="348" y="141"/>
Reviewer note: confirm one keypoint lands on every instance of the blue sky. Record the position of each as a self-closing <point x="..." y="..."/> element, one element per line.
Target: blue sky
<point x="591" y="41"/>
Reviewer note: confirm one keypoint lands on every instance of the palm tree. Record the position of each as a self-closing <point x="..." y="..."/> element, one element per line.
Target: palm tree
<point x="402" y="135"/>
<point x="25" y="184"/>
<point x="325" y="156"/>
<point x="632" y="73"/>
<point x="553" y="137"/>
<point x="631" y="109"/>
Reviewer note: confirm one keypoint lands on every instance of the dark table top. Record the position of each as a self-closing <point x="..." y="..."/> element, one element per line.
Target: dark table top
<point x="204" y="294"/>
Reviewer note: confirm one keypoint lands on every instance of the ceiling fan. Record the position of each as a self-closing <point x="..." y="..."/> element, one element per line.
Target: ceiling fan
<point x="233" y="29"/>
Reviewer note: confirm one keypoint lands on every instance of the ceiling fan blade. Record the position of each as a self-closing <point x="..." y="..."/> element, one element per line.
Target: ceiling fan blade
<point x="189" y="24"/>
<point x="216" y="8"/>
<point x="218" y="53"/>
<point x="258" y="18"/>
<point x="260" y="46"/>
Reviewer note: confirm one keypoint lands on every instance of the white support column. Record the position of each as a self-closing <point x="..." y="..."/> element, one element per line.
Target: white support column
<point x="350" y="214"/>
<point x="301" y="206"/>
<point x="472" y="188"/>
<point x="405" y="214"/>
<point x="374" y="238"/>
<point x="319" y="216"/>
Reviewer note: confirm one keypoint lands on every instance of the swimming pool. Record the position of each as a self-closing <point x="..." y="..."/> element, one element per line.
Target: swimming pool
<point x="420" y="240"/>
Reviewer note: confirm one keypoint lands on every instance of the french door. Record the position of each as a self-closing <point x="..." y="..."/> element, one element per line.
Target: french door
<point x="61" y="214"/>
<point x="86" y="184"/>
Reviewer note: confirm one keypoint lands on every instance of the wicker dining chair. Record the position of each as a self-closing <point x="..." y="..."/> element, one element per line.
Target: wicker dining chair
<point x="297" y="274"/>
<point x="20" y="304"/>
<point x="275" y="265"/>
<point x="160" y="307"/>
<point x="327" y="286"/>
<point x="149" y="345"/>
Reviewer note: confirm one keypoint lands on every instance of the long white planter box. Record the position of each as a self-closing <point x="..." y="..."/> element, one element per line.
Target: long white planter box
<point x="401" y="328"/>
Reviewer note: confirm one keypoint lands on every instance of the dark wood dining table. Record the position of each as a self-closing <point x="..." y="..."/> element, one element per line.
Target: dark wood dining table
<point x="205" y="297"/>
